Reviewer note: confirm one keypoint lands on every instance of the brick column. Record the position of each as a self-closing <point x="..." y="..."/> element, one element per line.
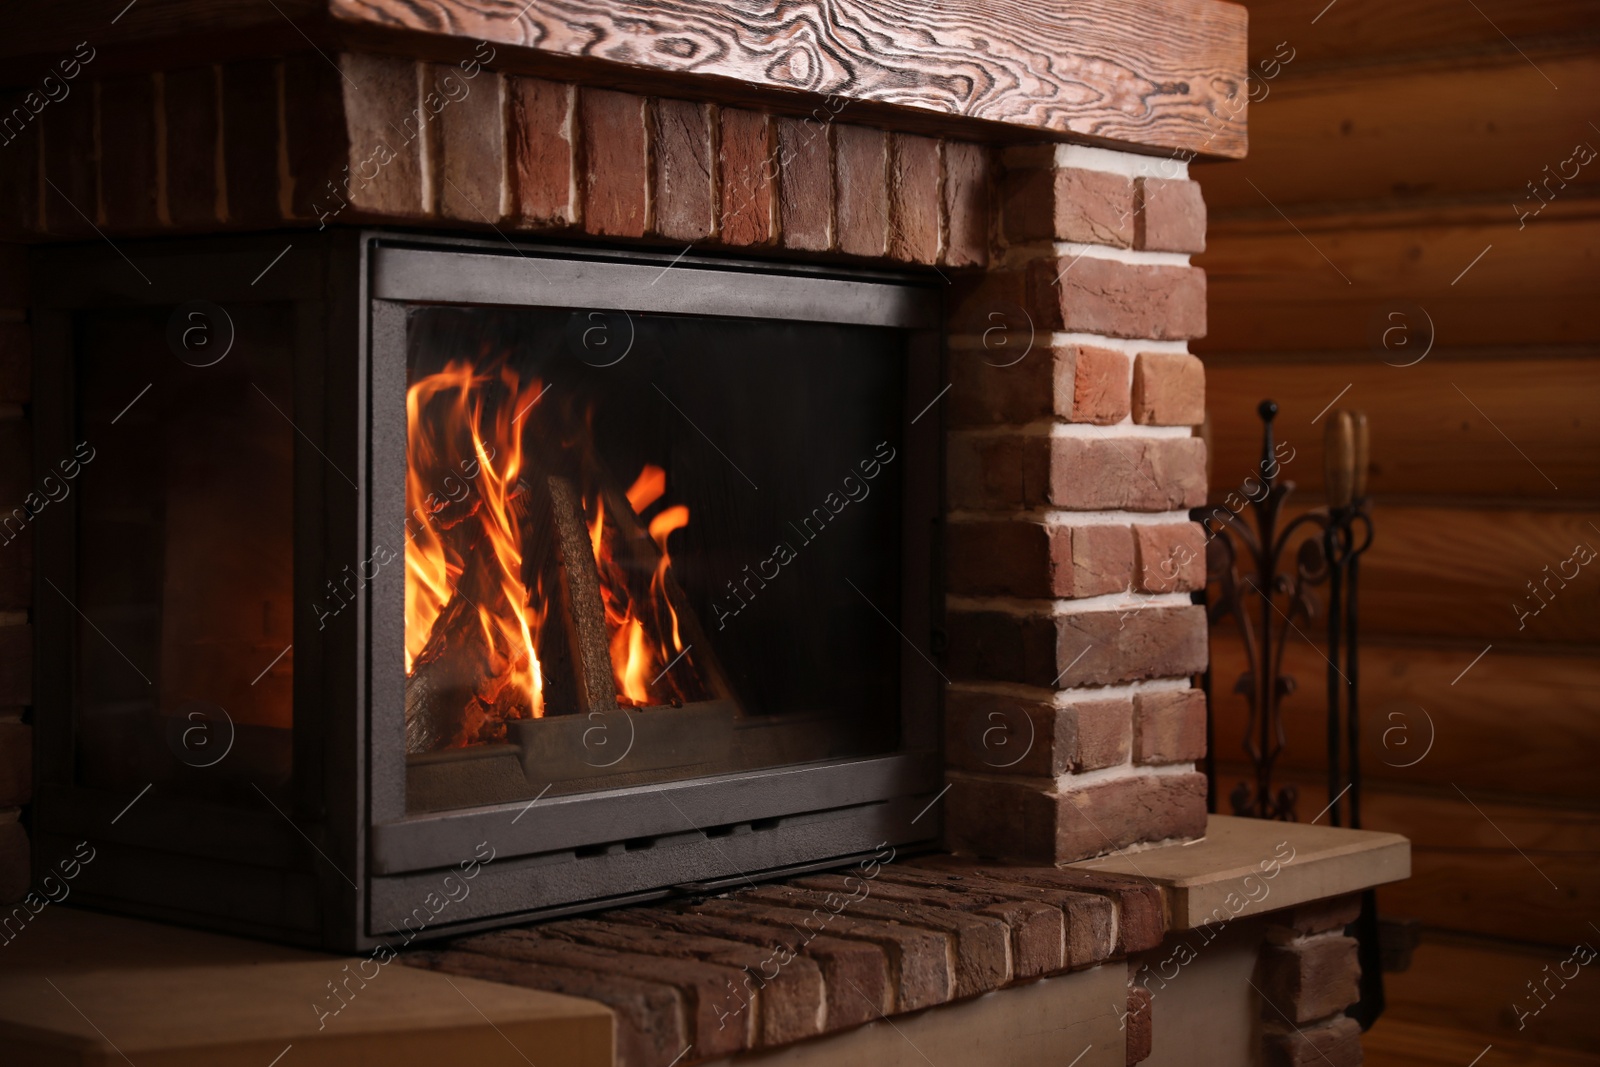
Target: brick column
<point x="16" y="575"/>
<point x="1309" y="975"/>
<point x="1072" y="727"/>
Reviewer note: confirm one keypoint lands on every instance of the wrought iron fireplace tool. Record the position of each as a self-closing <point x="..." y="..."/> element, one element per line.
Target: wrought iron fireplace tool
<point x="1249" y="589"/>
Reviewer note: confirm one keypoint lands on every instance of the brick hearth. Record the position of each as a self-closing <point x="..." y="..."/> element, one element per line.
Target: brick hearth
<point x="777" y="963"/>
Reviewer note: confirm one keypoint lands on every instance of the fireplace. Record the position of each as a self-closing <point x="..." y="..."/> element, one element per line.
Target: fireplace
<point x="604" y="573"/>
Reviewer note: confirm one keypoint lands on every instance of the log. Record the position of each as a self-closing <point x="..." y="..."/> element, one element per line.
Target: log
<point x="583" y="611"/>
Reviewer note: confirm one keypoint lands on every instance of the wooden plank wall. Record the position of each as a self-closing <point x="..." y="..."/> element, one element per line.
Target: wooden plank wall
<point x="1417" y="166"/>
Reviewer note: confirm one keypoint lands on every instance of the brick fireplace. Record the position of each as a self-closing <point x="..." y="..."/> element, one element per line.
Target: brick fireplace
<point x="1069" y="639"/>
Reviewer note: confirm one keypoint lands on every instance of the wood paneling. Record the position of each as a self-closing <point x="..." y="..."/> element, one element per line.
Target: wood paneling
<point x="1482" y="130"/>
<point x="1351" y="32"/>
<point x="1462" y="574"/>
<point x="1273" y="289"/>
<point x="1427" y="438"/>
<point x="1519" y="723"/>
<point x="1470" y="984"/>
<point x="1397" y="1043"/>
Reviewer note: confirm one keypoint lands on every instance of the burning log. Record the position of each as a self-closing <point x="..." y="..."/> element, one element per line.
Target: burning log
<point x="583" y="611"/>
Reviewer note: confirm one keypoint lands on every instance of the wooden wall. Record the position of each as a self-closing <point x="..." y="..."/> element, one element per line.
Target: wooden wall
<point x="1389" y="170"/>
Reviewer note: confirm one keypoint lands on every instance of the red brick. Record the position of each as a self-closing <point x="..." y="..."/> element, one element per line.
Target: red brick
<point x="1070" y="204"/>
<point x="652" y="1017"/>
<point x="805" y="184"/>
<point x="1310" y="979"/>
<point x="749" y="170"/>
<point x="913" y="198"/>
<point x="1090" y="294"/>
<point x="994" y="733"/>
<point x="1037" y="931"/>
<point x="70" y="198"/>
<point x="16" y="864"/>
<point x="1316" y="917"/>
<point x="386" y="126"/>
<point x="1170" y="214"/>
<point x="128" y="153"/>
<point x="251" y="145"/>
<point x="16" y="362"/>
<point x="702" y="985"/>
<point x="1169" y="389"/>
<point x="998" y="472"/>
<point x="474" y="177"/>
<point x="789" y="1003"/>
<point x="1169" y="726"/>
<point x="316" y="140"/>
<point x="16" y="764"/>
<point x="1138" y="1025"/>
<point x="966" y="204"/>
<point x="856" y="973"/>
<point x="616" y="171"/>
<point x="190" y="99"/>
<point x="861" y="161"/>
<point x="1022" y="821"/>
<point x="1090" y="918"/>
<point x="1012" y="377"/>
<point x="1129" y="811"/>
<point x="1138" y="474"/>
<point x="1099" y="385"/>
<point x="1335" y="1043"/>
<point x="1105" y="733"/>
<point x="1101" y="561"/>
<point x="1030" y="470"/>
<point x="1077" y="649"/>
<point x="543" y="160"/>
<point x="16" y="665"/>
<point x="1139" y="909"/>
<point x="1029" y="559"/>
<point x="981" y="943"/>
<point x="684" y="190"/>
<point x="1171" y="557"/>
<point x="923" y="976"/>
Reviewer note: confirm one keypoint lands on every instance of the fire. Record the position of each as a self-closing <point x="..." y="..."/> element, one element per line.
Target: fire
<point x="474" y="603"/>
<point x="637" y="662"/>
<point x="483" y="523"/>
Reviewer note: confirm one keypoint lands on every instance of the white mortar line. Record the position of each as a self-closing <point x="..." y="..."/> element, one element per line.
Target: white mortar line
<point x="1056" y="517"/>
<point x="1130" y="346"/>
<point x="1010" y="605"/>
<point x="1073" y="782"/>
<point x="1126" y="429"/>
<point x="1064" y="698"/>
<point x="1016" y="256"/>
<point x="1070" y="782"/>
<point x="1084" y="157"/>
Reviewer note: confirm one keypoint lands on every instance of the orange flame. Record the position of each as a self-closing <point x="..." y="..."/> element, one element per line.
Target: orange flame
<point x="507" y="616"/>
<point x="467" y="513"/>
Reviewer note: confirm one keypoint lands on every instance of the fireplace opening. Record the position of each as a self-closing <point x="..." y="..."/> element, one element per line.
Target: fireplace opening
<point x="644" y="546"/>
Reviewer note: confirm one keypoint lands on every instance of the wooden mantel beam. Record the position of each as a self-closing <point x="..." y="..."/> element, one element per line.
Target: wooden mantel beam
<point x="1158" y="75"/>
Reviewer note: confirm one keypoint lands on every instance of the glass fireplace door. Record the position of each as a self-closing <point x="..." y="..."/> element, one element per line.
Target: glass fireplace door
<point x="645" y="546"/>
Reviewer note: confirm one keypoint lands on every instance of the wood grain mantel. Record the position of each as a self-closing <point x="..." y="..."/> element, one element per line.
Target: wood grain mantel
<point x="1162" y="75"/>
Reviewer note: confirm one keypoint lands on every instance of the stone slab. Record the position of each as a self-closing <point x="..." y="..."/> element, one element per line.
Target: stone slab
<point x="77" y="987"/>
<point x="1231" y="867"/>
